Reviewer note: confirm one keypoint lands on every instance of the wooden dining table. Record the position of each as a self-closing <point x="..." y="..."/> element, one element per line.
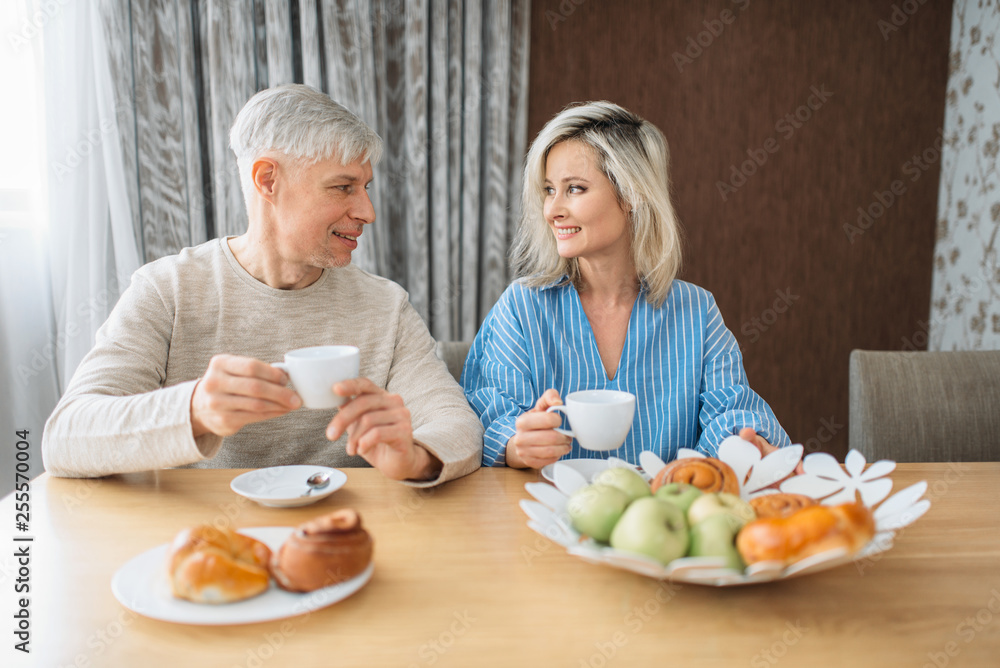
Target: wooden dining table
<point x="460" y="580"/>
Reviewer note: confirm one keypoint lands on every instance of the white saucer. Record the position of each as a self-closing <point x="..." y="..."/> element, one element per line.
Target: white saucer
<point x="588" y="468"/>
<point x="284" y="486"/>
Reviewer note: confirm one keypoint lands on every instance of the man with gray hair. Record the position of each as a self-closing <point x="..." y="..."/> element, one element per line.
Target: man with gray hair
<point x="179" y="375"/>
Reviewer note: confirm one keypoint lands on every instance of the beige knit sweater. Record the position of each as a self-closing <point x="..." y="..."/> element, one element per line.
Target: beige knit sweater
<point x="128" y="405"/>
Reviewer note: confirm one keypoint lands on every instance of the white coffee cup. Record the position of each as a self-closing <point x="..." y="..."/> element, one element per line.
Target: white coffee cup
<point x="600" y="419"/>
<point x="315" y="370"/>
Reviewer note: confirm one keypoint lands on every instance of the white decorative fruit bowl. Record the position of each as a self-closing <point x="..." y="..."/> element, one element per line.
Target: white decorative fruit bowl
<point x="824" y="480"/>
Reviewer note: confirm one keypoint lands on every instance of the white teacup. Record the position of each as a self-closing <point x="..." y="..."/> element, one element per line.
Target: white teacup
<point x="600" y="419"/>
<point x="315" y="370"/>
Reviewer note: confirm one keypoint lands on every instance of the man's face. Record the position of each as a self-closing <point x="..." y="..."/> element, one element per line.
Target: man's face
<point x="319" y="211"/>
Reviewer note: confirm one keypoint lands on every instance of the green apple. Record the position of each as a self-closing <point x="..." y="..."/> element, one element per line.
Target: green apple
<point x="627" y="480"/>
<point x="715" y="536"/>
<point x="654" y="528"/>
<point x="720" y="502"/>
<point x="680" y="494"/>
<point x="594" y="510"/>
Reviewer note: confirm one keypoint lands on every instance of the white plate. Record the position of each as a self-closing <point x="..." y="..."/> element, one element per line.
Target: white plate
<point x="283" y="486"/>
<point x="588" y="468"/>
<point x="143" y="586"/>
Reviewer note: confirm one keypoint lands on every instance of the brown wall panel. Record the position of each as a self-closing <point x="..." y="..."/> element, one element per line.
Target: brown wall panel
<point x="783" y="230"/>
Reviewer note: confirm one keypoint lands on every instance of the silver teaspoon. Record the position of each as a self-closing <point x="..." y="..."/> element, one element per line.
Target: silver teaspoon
<point x="317" y="481"/>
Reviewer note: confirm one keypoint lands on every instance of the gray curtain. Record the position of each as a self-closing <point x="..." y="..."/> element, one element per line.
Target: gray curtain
<point x="444" y="82"/>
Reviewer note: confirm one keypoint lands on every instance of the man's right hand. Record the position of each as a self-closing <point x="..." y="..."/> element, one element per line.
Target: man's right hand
<point x="237" y="391"/>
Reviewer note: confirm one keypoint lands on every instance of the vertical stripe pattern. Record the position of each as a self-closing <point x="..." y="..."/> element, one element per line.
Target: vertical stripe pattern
<point x="679" y="360"/>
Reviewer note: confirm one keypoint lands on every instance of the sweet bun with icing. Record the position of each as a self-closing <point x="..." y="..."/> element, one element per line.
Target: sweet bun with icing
<point x="806" y="532"/>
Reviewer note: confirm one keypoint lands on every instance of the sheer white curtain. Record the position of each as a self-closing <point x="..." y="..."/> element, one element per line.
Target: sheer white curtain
<point x="62" y="270"/>
<point x="93" y="246"/>
<point x="28" y="387"/>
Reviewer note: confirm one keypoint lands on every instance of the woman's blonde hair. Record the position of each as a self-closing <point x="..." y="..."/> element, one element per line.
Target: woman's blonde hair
<point x="633" y="154"/>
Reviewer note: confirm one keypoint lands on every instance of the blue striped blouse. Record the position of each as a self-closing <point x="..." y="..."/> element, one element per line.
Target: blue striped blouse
<point x="679" y="360"/>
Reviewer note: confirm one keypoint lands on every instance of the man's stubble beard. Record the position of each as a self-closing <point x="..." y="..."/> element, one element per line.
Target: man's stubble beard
<point x="328" y="260"/>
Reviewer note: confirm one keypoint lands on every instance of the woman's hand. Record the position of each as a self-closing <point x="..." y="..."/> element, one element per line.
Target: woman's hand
<point x="749" y="434"/>
<point x="536" y="443"/>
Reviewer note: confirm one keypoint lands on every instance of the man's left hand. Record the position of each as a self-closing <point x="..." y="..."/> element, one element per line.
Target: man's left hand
<point x="379" y="430"/>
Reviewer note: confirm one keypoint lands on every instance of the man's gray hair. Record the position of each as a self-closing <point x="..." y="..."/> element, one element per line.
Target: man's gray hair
<point x="302" y="123"/>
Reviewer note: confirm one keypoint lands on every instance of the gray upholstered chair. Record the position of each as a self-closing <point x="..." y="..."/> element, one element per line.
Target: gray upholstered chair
<point x="925" y="406"/>
<point x="454" y="353"/>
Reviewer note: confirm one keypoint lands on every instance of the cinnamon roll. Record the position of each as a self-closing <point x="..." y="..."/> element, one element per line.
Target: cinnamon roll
<point x="706" y="473"/>
<point x="322" y="552"/>
<point x="780" y="505"/>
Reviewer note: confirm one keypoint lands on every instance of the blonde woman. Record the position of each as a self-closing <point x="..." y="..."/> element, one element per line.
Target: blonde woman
<point x="596" y="305"/>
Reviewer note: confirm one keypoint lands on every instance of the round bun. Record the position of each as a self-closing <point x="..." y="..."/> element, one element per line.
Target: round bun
<point x="209" y="565"/>
<point x="780" y="505"/>
<point x="706" y="473"/>
<point x="322" y="552"/>
<point x="806" y="532"/>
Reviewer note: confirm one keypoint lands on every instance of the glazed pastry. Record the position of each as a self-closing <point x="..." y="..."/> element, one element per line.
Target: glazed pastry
<point x="806" y="532"/>
<point x="209" y="565"/>
<point x="780" y="505"/>
<point x="706" y="473"/>
<point x="323" y="551"/>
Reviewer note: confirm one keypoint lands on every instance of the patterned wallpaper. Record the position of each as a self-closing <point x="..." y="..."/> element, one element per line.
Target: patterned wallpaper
<point x="965" y="298"/>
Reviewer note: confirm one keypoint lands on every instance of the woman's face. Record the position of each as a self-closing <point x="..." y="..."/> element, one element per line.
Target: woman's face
<point x="581" y="207"/>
